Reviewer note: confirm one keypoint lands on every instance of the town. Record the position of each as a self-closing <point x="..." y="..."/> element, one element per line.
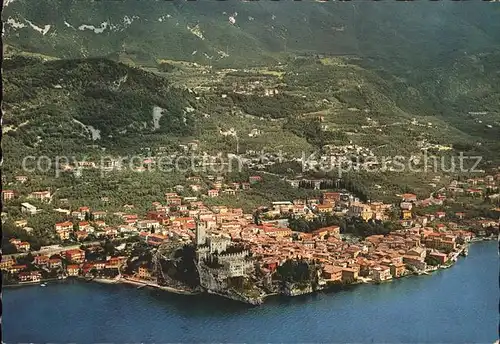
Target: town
<point x="287" y="247"/>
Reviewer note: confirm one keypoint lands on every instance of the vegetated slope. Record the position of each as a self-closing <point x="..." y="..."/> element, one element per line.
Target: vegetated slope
<point x="400" y="35"/>
<point x="380" y="109"/>
<point x="65" y="106"/>
<point x="311" y="104"/>
<point x="74" y="105"/>
<point x="465" y="94"/>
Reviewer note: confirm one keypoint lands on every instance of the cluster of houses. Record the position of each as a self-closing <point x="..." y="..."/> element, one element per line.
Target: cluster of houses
<point x="217" y="187"/>
<point x="21" y="246"/>
<point x="429" y="238"/>
<point x="377" y="258"/>
<point x="62" y="264"/>
<point x="42" y="196"/>
<point x="339" y="203"/>
<point x="487" y="186"/>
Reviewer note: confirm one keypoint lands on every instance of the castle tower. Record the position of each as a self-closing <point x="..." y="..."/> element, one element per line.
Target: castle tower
<point x="201" y="235"/>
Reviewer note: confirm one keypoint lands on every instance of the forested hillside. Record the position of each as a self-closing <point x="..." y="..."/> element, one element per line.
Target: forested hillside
<point x="400" y="35"/>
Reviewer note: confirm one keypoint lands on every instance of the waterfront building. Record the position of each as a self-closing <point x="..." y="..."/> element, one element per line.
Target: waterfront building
<point x="144" y="272"/>
<point x="381" y="273"/>
<point x="30" y="276"/>
<point x="415" y="262"/>
<point x="332" y="273"/>
<point x="7" y="262"/>
<point x="236" y="266"/>
<point x="397" y="269"/>
<point x="441" y="258"/>
<point x="76" y="255"/>
<point x="349" y="275"/>
<point x="73" y="270"/>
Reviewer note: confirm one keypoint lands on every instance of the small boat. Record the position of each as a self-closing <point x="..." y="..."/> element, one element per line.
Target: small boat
<point x="43" y="285"/>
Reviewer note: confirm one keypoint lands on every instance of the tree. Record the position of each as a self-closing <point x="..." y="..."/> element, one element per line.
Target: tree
<point x="36" y="246"/>
<point x="8" y="248"/>
<point x="109" y="248"/>
<point x="297" y="270"/>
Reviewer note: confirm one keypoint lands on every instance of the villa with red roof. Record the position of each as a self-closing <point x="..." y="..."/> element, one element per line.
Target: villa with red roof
<point x="61" y="226"/>
<point x="213" y="193"/>
<point x="7" y="195"/>
<point x="409" y="197"/>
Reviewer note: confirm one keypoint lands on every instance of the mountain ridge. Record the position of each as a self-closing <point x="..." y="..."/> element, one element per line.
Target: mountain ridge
<point x="250" y="32"/>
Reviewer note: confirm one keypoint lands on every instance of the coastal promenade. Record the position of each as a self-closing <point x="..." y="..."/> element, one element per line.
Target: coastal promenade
<point x="142" y="283"/>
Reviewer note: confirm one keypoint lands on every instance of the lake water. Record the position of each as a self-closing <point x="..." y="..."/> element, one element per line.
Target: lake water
<point x="456" y="305"/>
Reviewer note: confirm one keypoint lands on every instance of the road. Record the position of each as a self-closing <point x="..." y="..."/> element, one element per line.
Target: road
<point x="50" y="251"/>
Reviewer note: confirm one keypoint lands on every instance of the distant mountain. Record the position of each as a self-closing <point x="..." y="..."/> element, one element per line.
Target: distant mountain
<point x="252" y="32"/>
<point x="81" y="75"/>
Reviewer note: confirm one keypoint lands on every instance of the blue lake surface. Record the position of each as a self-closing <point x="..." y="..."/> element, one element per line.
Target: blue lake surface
<point x="457" y="305"/>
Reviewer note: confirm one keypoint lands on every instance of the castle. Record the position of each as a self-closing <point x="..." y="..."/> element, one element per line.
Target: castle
<point x="233" y="264"/>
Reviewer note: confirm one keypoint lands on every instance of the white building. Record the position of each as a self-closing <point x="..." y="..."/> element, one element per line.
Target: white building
<point x="218" y="243"/>
<point x="29" y="208"/>
<point x="282" y="206"/>
<point x="235" y="268"/>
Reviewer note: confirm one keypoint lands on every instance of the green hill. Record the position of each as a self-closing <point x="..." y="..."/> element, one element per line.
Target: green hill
<point x="66" y="106"/>
<point x="86" y="105"/>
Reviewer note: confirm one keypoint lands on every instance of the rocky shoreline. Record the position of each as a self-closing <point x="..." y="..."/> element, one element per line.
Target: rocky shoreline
<point x="257" y="300"/>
